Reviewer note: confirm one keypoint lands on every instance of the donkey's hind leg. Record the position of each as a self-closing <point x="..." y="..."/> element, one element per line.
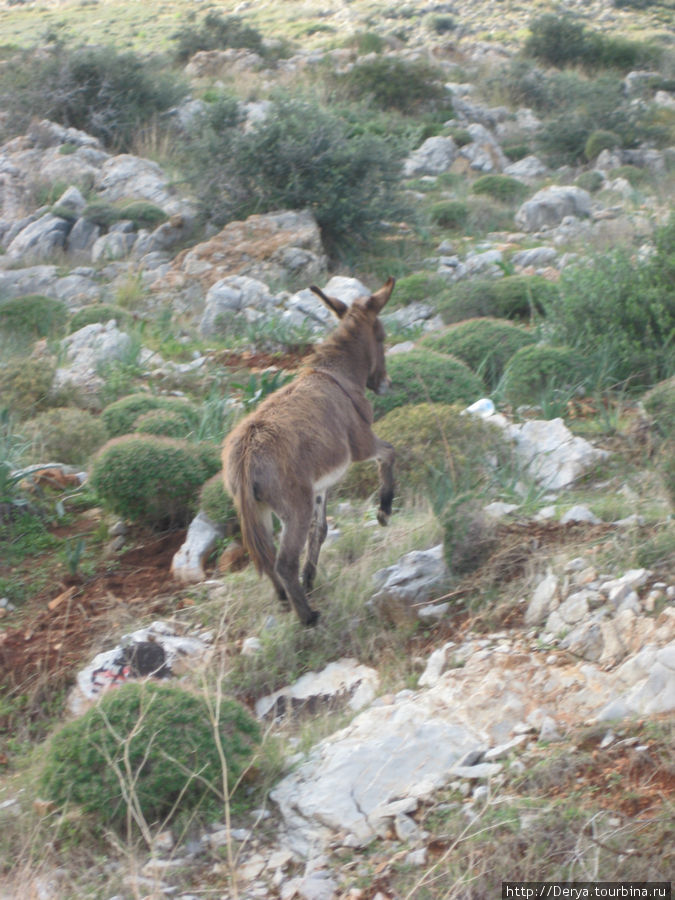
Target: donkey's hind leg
<point x="317" y="535"/>
<point x="385" y="460"/>
<point x="293" y="536"/>
<point x="270" y="569"/>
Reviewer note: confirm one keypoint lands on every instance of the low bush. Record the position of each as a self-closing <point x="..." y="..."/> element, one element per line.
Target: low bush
<point x="395" y="84"/>
<point x="536" y="371"/>
<point x="420" y="286"/>
<point x="430" y="439"/>
<point x="216" y="32"/>
<point x="66" y="435"/>
<point x="668" y="470"/>
<point x="120" y="417"/>
<point x="513" y="297"/>
<point x="500" y="187"/>
<point x="33" y="317"/>
<point x="216" y="503"/>
<point x="485" y="345"/>
<point x="154" y="481"/>
<point x="633" y="175"/>
<point x="25" y="385"/>
<point x="147" y="754"/>
<point x="163" y="422"/>
<point x="451" y="214"/>
<point x="590" y="181"/>
<point x="469" y="535"/>
<point x="659" y="402"/>
<point x="425" y="376"/>
<point x="598" y="141"/>
<point x="100" y="312"/>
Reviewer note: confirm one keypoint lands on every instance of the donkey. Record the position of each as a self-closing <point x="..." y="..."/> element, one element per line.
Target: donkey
<point x="283" y="457"/>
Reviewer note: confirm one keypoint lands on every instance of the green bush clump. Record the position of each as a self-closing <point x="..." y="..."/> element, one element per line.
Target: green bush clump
<point x="619" y="312"/>
<point x="395" y="84"/>
<point x="430" y="439"/>
<point x="419" y="286"/>
<point x="600" y="140"/>
<point x="216" y="503"/>
<point x="149" y="752"/>
<point x="513" y="297"/>
<point x="217" y="32"/>
<point x="109" y="94"/>
<point x="660" y="404"/>
<point x="451" y="214"/>
<point x="66" y="435"/>
<point x="425" y="376"/>
<point x="301" y="156"/>
<point x="364" y="42"/>
<point x="25" y="385"/>
<point x="539" y="369"/>
<point x="500" y="187"/>
<point x="163" y="422"/>
<point x="633" y="175"/>
<point x="142" y="213"/>
<point x="101" y="213"/>
<point x="120" y="417"/>
<point x="590" y="181"/>
<point x="33" y="317"/>
<point x="99" y="312"/>
<point x="154" y="481"/>
<point x="485" y="345"/>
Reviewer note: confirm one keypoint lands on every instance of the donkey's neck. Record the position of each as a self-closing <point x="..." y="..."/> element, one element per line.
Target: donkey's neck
<point x="344" y="354"/>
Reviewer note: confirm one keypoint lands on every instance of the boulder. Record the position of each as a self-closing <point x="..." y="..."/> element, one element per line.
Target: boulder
<point x="404" y="587"/>
<point x="187" y="564"/>
<point x="128" y="177"/>
<point x="436" y="155"/>
<point x="233" y="294"/>
<point x="551" y="205"/>
<point x="40" y="240"/>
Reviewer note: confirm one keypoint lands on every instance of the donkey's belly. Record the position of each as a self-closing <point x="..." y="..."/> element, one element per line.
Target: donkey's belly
<point x="330" y="478"/>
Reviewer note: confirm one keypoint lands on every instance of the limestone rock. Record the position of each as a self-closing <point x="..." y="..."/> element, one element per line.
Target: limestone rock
<point x="187" y="564"/>
<point x="415" y="579"/>
<point x="551" y="205"/>
<point x="435" y="155"/>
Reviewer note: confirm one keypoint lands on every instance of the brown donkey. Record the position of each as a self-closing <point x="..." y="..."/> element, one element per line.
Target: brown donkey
<point x="284" y="456"/>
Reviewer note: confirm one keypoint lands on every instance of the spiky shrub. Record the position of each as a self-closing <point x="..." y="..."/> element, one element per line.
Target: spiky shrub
<point x="534" y="372"/>
<point x="66" y="435"/>
<point x="152" y="480"/>
<point x="500" y="187"/>
<point x="164" y="423"/>
<point x="485" y="345"/>
<point x="149" y="750"/>
<point x="216" y="503"/>
<point x="513" y="297"/>
<point x="33" y="317"/>
<point x="25" y="385"/>
<point x="421" y="376"/>
<point x="301" y="156"/>
<point x="431" y="440"/>
<point x="120" y="417"/>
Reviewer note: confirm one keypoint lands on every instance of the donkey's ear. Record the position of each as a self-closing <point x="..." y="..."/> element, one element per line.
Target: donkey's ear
<point x="336" y="306"/>
<point x="377" y="300"/>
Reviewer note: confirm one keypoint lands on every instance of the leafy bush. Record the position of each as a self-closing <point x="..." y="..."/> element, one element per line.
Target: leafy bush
<point x="500" y="187"/>
<point x="539" y="369"/>
<point x="153" y="480"/>
<point x="216" y="503"/>
<point x="108" y="94"/>
<point x="217" y="32"/>
<point x="392" y="83"/>
<point x="417" y="287"/>
<point x="66" y="435"/>
<point x="513" y="297"/>
<point x="660" y="404"/>
<point x="149" y="750"/>
<point x="619" y="311"/>
<point x="25" y="385"/>
<point x="485" y="345"/>
<point x="163" y="422"/>
<point x="451" y="214"/>
<point x="301" y="156"/>
<point x="430" y="439"/>
<point x="598" y="141"/>
<point x="590" y="181"/>
<point x="365" y="42"/>
<point x="425" y="376"/>
<point x="33" y="316"/>
<point x="633" y="175"/>
<point x="120" y="417"/>
<point x="99" y="312"/>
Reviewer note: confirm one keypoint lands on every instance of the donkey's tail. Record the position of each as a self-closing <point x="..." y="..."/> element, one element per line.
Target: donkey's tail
<point x="255" y="517"/>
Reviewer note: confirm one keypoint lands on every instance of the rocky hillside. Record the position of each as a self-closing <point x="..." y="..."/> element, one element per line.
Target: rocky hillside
<point x="489" y="693"/>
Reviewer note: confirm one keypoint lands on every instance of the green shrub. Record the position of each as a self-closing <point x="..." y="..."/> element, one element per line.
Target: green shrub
<point x="216" y="503"/>
<point x="535" y="371"/>
<point x="101" y="213"/>
<point x="500" y="187"/>
<point x="600" y="140"/>
<point x="668" y="470"/>
<point x="660" y="404"/>
<point x="217" y="32"/>
<point x="154" y="481"/>
<point x="109" y="94"/>
<point x="590" y="181"/>
<point x="301" y="156"/>
<point x="152" y="747"/>
<point x="442" y="24"/>
<point x="365" y="42"/>
<point x="430" y="439"/>
<point x="100" y="312"/>
<point x="469" y="536"/>
<point x="419" y="286"/>
<point x="392" y="83"/>
<point x="25" y="385"/>
<point x="142" y="213"/>
<point x="120" y="417"/>
<point x="163" y="422"/>
<point x="619" y="312"/>
<point x="425" y="376"/>
<point x="485" y="345"/>
<point x="451" y="214"/>
<point x="513" y="297"/>
<point x="633" y="175"/>
<point x="33" y="316"/>
<point x="65" y="435"/>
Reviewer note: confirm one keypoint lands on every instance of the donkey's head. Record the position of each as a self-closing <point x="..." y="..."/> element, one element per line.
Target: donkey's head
<point x="365" y="331"/>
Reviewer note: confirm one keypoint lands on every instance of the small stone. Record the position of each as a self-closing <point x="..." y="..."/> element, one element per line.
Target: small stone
<point x="549" y="730"/>
<point x="417" y="857"/>
<point x="250" y="646"/>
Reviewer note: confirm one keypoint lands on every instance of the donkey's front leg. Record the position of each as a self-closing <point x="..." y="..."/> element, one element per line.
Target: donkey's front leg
<point x="385" y="460"/>
<point x="293" y="537"/>
<point x="317" y="535"/>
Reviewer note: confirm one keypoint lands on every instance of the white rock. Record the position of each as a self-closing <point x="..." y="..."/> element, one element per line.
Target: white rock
<point x="543" y="600"/>
<point x="579" y="513"/>
<point x="187" y="564"/>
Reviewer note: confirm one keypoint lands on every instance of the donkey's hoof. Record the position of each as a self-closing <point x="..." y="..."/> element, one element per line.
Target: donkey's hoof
<point x="312" y="618"/>
<point x="382" y="517"/>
